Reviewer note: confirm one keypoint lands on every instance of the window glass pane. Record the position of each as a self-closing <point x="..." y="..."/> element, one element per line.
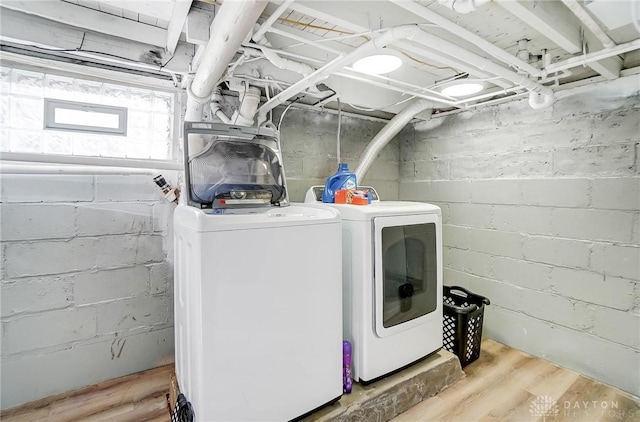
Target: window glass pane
<point x="141" y="99"/>
<point x="409" y="272"/>
<point x="26" y="82"/>
<point x="4" y="111"/>
<point x="57" y="143"/>
<point x="27" y="113"/>
<point x="58" y="87"/>
<point x="88" y="91"/>
<point x="86" y="118"/>
<point x="5" y="79"/>
<point x="26" y="141"/>
<point x="4" y="140"/>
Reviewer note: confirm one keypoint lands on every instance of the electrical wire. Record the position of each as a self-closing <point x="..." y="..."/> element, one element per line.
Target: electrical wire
<point x="285" y="111"/>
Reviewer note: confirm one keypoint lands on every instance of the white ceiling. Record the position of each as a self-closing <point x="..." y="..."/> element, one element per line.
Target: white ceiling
<point x="165" y="34"/>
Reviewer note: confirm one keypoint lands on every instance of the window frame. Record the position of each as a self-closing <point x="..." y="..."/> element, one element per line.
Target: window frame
<point x="51" y="104"/>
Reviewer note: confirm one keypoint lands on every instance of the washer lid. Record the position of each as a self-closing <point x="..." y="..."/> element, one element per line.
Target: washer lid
<point x="254" y="218"/>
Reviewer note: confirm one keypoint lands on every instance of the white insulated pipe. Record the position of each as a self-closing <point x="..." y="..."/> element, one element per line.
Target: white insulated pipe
<point x="387" y="133"/>
<point x="404" y="32"/>
<point x="467" y="35"/>
<point x="589" y="22"/>
<point x="230" y="27"/>
<point x="482" y="63"/>
<point x="593" y="57"/>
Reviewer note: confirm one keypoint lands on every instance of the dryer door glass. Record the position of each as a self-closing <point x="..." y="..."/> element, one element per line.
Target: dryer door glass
<point x="409" y="271"/>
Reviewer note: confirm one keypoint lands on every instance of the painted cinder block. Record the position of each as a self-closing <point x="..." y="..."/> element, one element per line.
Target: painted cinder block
<point x="616" y="127"/>
<point x="161" y="278"/>
<point x="500" y="294"/>
<point x="416" y="191"/>
<point x="78" y="254"/>
<point x="37" y="221"/>
<point x="561" y="252"/>
<point x="557" y="309"/>
<point x="592" y="224"/>
<point x="126" y="188"/>
<point x="619" y="326"/>
<point x="522" y="273"/>
<point x="532" y="164"/>
<point x="522" y="219"/>
<point x="425" y="170"/>
<point x="449" y="191"/>
<point x="508" y="192"/>
<point x="455" y="236"/>
<point x="114" y="218"/>
<point x="603" y="160"/>
<point x="135" y="313"/>
<point x="616" y="193"/>
<point x="48" y="329"/>
<point x="107" y="285"/>
<point x="496" y="242"/>
<point x="471" y="262"/>
<point x="31" y="295"/>
<point x="473" y="215"/>
<point x="621" y="261"/>
<point x="556" y="192"/>
<point x="46" y="188"/>
<point x="613" y="292"/>
<point x="91" y="362"/>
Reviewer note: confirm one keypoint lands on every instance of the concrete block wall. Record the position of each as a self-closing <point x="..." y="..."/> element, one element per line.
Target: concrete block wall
<point x="541" y="213"/>
<point x="87" y="291"/>
<point x="309" y="147"/>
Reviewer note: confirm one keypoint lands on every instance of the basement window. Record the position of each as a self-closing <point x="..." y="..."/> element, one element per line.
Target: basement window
<point x="84" y="117"/>
<point x="50" y="114"/>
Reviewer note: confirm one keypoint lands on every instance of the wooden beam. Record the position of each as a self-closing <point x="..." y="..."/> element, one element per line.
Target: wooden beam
<point x="82" y="17"/>
<point x="197" y="27"/>
<point x="178" y="17"/>
<point x="551" y="19"/>
<point x="27" y="29"/>
<point x="159" y="9"/>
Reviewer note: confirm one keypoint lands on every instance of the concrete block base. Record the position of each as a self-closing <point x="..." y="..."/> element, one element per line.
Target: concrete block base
<point x="384" y="399"/>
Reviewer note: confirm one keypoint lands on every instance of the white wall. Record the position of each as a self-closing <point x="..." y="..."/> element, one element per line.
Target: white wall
<point x="86" y="287"/>
<point x="541" y="213"/>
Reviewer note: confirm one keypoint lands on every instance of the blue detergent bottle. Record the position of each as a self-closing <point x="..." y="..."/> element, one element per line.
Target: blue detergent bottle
<point x="342" y="179"/>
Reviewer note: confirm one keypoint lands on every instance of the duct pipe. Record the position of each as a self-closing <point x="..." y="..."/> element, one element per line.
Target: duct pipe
<point x="589" y="22"/>
<point x="463" y="6"/>
<point x="230" y="27"/>
<point x="391" y="129"/>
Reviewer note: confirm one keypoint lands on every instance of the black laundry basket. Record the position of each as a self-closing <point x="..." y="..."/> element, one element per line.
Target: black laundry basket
<point x="463" y="313"/>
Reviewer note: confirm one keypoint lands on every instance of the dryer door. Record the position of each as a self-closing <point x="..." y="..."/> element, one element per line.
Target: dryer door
<point x="408" y="265"/>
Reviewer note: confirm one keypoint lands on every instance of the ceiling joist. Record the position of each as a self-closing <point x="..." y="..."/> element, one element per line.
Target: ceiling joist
<point x="176" y="23"/>
<point x="82" y="17"/>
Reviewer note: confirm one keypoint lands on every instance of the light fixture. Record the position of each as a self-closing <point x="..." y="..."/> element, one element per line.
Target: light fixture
<point x="378" y="64"/>
<point x="462" y="88"/>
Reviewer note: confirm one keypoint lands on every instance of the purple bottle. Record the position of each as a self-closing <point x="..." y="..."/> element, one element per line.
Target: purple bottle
<point x="346" y="367"/>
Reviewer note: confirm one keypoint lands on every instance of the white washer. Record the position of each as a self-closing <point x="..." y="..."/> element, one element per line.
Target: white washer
<point x="258" y="315"/>
<point x="392" y="283"/>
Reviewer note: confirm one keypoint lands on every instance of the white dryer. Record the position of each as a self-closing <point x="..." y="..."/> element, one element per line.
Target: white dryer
<point x="392" y="283"/>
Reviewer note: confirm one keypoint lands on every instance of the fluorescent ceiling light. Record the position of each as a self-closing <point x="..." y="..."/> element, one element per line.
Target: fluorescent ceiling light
<point x="462" y="89"/>
<point x="378" y="64"/>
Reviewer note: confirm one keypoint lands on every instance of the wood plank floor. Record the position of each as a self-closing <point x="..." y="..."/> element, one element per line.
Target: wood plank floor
<point x="508" y="385"/>
<point x="503" y="384"/>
